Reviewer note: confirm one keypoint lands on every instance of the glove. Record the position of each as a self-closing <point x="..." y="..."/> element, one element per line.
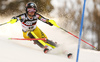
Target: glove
<point x="53" y="22"/>
<point x="13" y="20"/>
<point x="50" y="24"/>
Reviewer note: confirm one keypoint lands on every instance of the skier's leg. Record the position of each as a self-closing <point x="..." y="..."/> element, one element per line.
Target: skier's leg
<point x="36" y="41"/>
<point x="37" y="33"/>
<point x="40" y="34"/>
<point x="25" y="35"/>
<point x="28" y="35"/>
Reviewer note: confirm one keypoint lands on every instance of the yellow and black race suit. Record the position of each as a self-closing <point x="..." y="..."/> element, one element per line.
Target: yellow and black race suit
<point x="30" y="29"/>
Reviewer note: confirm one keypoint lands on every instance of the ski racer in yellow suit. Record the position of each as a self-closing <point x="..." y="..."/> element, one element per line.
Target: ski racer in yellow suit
<point x="30" y="30"/>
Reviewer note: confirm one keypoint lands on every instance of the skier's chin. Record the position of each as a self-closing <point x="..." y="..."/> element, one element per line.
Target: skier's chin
<point x="31" y="15"/>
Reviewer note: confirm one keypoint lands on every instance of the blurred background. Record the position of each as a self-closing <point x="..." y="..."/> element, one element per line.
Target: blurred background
<point x="66" y="12"/>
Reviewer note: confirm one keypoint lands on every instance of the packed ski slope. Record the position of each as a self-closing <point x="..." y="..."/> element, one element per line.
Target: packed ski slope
<point x="26" y="51"/>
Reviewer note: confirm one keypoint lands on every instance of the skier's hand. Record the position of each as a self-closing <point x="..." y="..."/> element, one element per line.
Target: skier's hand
<point x="50" y="24"/>
<point x="13" y="20"/>
<point x="54" y="23"/>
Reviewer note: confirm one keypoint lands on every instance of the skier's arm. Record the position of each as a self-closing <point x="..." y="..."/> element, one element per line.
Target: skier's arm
<point x="44" y="19"/>
<point x="15" y="19"/>
<point x="50" y="22"/>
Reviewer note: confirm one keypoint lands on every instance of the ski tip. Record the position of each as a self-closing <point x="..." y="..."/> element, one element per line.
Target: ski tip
<point x="9" y="38"/>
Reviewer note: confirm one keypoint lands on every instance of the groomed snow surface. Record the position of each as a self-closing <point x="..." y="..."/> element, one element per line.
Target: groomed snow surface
<point x="26" y="51"/>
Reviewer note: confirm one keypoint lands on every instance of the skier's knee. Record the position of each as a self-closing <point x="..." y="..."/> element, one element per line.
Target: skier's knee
<point x="30" y="35"/>
<point x="35" y="41"/>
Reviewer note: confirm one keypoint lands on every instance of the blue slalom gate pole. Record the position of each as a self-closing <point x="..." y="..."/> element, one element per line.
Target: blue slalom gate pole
<point x="82" y="20"/>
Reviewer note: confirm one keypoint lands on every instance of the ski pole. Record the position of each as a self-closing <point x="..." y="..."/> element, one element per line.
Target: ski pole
<point x="4" y="23"/>
<point x="39" y="39"/>
<point x="78" y="38"/>
<point x="73" y="35"/>
<point x="27" y="39"/>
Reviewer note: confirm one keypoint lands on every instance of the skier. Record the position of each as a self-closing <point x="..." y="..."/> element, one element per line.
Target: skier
<point x="30" y="29"/>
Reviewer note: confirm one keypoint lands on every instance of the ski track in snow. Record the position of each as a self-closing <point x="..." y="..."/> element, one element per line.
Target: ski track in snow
<point x="26" y="51"/>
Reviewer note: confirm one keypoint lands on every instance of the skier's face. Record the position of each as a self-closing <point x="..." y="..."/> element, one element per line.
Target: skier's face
<point x="31" y="11"/>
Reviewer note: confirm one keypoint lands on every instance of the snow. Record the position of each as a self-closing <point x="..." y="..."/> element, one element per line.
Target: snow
<point x="26" y="51"/>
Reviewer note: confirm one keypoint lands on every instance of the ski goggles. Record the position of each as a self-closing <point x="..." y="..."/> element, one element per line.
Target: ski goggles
<point x="31" y="10"/>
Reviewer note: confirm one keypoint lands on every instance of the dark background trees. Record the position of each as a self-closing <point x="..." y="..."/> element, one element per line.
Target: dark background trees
<point x="10" y="7"/>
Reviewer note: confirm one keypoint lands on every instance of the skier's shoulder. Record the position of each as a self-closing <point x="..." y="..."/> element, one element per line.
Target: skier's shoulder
<point x="20" y="15"/>
<point x="38" y="15"/>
